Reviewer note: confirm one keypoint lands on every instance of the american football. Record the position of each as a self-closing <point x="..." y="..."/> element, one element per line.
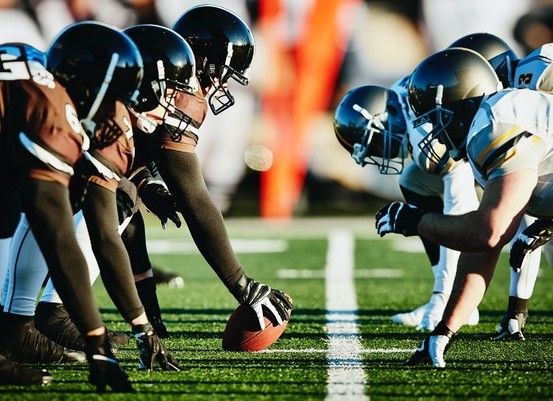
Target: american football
<point x="242" y="331"/>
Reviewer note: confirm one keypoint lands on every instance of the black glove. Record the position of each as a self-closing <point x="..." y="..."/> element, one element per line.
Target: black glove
<point x="530" y="239"/>
<point x="259" y="297"/>
<point x="158" y="200"/>
<point x="398" y="217"/>
<point x="152" y="349"/>
<point x="433" y="348"/>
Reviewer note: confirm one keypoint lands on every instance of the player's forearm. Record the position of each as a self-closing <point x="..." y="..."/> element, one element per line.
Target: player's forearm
<point x="465" y="233"/>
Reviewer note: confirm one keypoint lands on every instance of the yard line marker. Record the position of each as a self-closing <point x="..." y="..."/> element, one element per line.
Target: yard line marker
<point x="346" y="376"/>
<point x="361" y="273"/>
<point x="324" y="351"/>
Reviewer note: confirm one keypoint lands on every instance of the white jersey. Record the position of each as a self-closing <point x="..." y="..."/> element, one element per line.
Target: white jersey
<point x="535" y="71"/>
<point x="513" y="131"/>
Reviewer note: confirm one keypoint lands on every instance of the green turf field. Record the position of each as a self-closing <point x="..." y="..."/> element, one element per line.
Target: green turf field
<point x="315" y="359"/>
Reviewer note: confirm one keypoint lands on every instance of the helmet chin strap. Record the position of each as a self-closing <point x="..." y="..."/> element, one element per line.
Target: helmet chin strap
<point x="88" y="123"/>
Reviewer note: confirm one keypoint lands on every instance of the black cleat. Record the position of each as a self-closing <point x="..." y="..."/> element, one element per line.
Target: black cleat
<point x="159" y="326"/>
<point x="52" y="320"/>
<point x="21" y="342"/>
<point x="170" y="279"/>
<point x="11" y="373"/>
<point x="511" y="327"/>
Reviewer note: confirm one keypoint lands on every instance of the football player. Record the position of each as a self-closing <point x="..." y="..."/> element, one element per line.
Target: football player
<point x="43" y="139"/>
<point x="174" y="57"/>
<point x="94" y="185"/>
<point x="374" y="125"/>
<point x="530" y="72"/>
<point x="533" y="72"/>
<point x="164" y="84"/>
<point x="505" y="136"/>
<point x="223" y="47"/>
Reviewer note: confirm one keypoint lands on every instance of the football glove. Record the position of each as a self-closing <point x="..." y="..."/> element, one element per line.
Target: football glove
<point x="104" y="368"/>
<point x="398" y="217"/>
<point x="259" y="297"/>
<point x="158" y="200"/>
<point x="530" y="239"/>
<point x="433" y="348"/>
<point x="151" y="349"/>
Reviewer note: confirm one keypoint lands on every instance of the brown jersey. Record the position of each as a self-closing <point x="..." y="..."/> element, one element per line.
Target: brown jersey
<point x="40" y="132"/>
<point x="116" y="156"/>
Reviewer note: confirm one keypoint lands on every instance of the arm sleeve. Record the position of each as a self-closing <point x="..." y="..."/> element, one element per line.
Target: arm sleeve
<point x="182" y="174"/>
<point x="100" y="212"/>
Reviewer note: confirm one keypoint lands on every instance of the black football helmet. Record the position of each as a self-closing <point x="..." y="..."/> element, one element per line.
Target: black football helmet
<point x="494" y="49"/>
<point x="370" y="125"/>
<point x="92" y="60"/>
<point x="168" y="64"/>
<point x="223" y="45"/>
<point x="446" y="90"/>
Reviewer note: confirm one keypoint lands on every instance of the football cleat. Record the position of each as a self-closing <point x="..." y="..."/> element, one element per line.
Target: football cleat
<point x="21" y="342"/>
<point x="413" y="318"/>
<point x="511" y="327"/>
<point x="433" y="312"/>
<point x="159" y="326"/>
<point x="52" y="320"/>
<point x="12" y="373"/>
<point x="172" y="280"/>
<point x="433" y="348"/>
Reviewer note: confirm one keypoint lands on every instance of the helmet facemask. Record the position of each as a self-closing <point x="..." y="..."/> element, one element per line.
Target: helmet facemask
<point x="388" y="155"/>
<point x="439" y="146"/>
<point x="107" y="132"/>
<point x="163" y="93"/>
<point x="219" y="97"/>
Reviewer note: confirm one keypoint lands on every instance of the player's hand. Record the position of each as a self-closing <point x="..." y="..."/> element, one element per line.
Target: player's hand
<point x="530" y="239"/>
<point x="398" y="217"/>
<point x="151" y="349"/>
<point x="259" y="297"/>
<point x="433" y="348"/>
<point x="157" y="199"/>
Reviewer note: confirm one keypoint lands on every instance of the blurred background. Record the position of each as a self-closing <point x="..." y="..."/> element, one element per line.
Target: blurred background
<point x="274" y="153"/>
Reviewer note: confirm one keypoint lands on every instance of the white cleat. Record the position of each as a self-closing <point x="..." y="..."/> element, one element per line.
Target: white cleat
<point x="434" y="311"/>
<point x="412" y="318"/>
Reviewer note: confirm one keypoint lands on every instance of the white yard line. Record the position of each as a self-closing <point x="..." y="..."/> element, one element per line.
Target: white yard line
<point x="346" y="376"/>
<point x="324" y="351"/>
